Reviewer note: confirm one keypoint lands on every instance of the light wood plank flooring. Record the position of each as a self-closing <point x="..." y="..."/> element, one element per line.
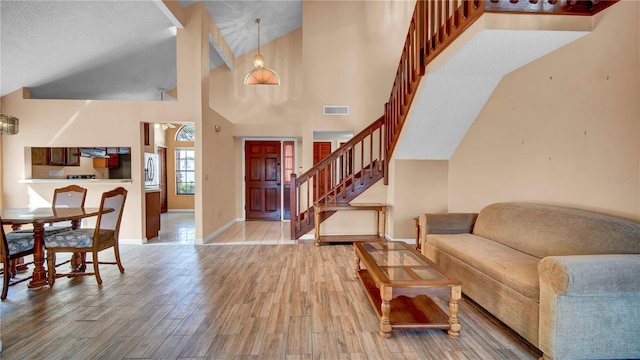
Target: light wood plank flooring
<point x="229" y="302"/>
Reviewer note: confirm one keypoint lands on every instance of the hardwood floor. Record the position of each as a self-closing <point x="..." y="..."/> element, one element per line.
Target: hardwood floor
<point x="229" y="302"/>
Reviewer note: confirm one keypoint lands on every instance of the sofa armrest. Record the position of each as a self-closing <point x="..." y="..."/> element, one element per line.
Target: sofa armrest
<point x="451" y="223"/>
<point x="591" y="274"/>
<point x="589" y="307"/>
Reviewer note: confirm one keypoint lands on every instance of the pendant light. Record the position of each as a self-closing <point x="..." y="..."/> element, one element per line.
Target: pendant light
<point x="261" y="75"/>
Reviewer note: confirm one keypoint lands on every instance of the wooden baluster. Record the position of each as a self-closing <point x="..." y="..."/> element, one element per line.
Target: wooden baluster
<point x="309" y="202"/>
<point x="441" y="22"/>
<point x="370" y="154"/>
<point x="325" y="189"/>
<point x="447" y="17"/>
<point x="380" y="147"/>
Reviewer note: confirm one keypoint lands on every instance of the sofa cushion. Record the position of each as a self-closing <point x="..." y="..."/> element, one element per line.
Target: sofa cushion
<point x="546" y="230"/>
<point x="513" y="268"/>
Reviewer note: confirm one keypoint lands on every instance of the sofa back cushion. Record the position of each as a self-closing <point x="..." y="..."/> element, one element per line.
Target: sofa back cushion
<point x="545" y="230"/>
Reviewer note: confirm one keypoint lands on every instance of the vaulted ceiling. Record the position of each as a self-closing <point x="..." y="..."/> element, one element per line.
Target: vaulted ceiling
<point x="123" y="50"/>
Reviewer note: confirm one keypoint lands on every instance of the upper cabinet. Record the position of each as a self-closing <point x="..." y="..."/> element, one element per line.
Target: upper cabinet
<point x="72" y="156"/>
<point x="39" y="156"/>
<point x="55" y="156"/>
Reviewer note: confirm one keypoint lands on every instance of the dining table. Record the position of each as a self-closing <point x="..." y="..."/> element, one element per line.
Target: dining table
<point x="38" y="217"/>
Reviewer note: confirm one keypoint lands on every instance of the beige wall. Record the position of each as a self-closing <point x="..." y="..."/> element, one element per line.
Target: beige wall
<point x="75" y="123"/>
<point x="561" y="130"/>
<point x="252" y="107"/>
<point x="91" y="122"/>
<point x="417" y="187"/>
<point x="351" y="51"/>
<point x="346" y="54"/>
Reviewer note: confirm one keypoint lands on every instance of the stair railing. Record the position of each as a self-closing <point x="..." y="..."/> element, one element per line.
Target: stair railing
<point x="338" y="177"/>
<point x="434" y="26"/>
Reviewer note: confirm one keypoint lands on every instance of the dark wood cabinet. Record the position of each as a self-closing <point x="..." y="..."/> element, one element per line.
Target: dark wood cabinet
<point x="72" y="156"/>
<point x="56" y="156"/>
<point x="152" y="206"/>
<point x="39" y="156"/>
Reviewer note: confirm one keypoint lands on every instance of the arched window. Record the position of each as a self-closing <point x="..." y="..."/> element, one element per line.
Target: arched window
<point x="185" y="162"/>
<point x="185" y="133"/>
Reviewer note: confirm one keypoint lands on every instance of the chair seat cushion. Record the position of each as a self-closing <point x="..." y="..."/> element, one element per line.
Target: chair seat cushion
<point x="79" y="238"/>
<point x="19" y="242"/>
<point x="48" y="230"/>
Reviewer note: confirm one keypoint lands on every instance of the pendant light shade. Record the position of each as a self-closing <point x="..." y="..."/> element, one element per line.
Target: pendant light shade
<point x="9" y="124"/>
<point x="261" y="75"/>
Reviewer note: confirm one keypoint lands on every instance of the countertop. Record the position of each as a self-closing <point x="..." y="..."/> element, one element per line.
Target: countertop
<point x="75" y="181"/>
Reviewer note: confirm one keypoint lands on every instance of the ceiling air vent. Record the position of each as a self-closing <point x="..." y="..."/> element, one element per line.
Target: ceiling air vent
<point x="335" y="110"/>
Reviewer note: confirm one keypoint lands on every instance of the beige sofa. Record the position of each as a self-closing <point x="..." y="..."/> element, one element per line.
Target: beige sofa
<point x="566" y="280"/>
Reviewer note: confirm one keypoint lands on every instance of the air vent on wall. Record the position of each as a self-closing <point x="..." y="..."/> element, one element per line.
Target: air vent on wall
<point x="335" y="110"/>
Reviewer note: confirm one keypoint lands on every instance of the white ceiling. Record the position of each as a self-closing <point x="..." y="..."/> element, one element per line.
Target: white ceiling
<point x="117" y="49"/>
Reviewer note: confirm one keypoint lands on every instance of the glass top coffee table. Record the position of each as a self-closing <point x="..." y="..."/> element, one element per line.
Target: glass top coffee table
<point x="400" y="282"/>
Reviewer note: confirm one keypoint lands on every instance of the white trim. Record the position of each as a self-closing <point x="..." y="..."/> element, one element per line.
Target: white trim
<point x="170" y="16"/>
<point x="307" y="237"/>
<point x="408" y="241"/>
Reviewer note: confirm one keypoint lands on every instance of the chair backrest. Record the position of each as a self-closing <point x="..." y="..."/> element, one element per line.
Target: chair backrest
<point x="113" y="199"/>
<point x="69" y="196"/>
<point x="4" y="247"/>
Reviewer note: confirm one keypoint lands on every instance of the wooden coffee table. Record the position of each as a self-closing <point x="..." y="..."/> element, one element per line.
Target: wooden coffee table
<point x="400" y="282"/>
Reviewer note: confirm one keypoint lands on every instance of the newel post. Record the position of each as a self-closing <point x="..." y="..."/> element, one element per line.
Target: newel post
<point x="293" y="205"/>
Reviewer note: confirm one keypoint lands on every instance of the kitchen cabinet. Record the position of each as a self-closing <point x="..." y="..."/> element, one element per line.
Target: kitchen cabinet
<point x="112" y="161"/>
<point x="152" y="206"/>
<point x="39" y="156"/>
<point x="57" y="156"/>
<point x="72" y="156"/>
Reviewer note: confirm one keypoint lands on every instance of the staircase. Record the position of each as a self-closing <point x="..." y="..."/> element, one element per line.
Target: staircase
<point x="361" y="162"/>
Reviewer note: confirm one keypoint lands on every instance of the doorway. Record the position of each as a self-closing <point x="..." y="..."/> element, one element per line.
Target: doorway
<point x="263" y="180"/>
<point x="162" y="152"/>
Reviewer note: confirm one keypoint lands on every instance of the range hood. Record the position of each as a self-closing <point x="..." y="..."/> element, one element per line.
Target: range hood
<point x="94" y="152"/>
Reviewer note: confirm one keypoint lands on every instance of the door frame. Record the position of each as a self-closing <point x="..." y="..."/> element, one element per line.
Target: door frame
<point x="244" y="172"/>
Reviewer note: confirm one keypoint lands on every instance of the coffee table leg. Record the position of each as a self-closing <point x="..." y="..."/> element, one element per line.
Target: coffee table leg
<point x="385" y="321"/>
<point x="454" y="322"/>
<point x="356" y="268"/>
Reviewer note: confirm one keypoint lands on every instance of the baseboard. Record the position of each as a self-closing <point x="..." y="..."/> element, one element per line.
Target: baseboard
<point x="217" y="232"/>
<point x="181" y="210"/>
<point x="408" y="241"/>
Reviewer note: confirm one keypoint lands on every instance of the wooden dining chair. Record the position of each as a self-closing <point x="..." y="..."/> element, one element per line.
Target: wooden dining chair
<point x="14" y="245"/>
<point x="68" y="196"/>
<point x="103" y="236"/>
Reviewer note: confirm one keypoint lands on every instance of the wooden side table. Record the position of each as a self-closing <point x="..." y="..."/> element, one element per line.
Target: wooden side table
<point x="381" y="222"/>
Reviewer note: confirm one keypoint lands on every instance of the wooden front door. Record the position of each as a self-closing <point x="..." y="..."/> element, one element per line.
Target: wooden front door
<point x="262" y="168"/>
